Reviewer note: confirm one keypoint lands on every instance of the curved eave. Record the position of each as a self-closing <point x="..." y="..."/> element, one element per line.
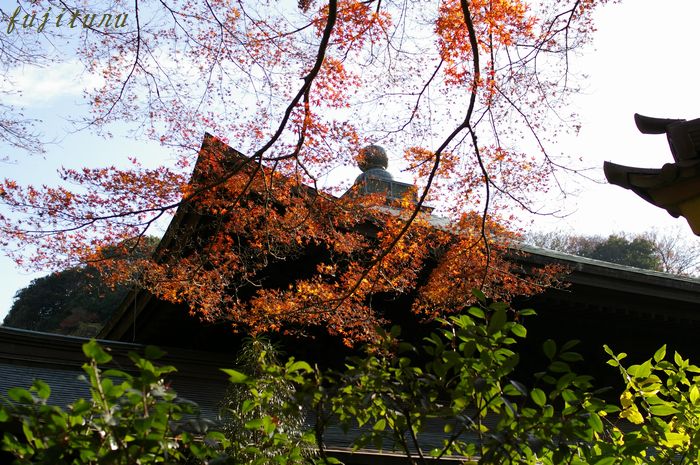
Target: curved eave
<point x="675" y="187"/>
<point x="672" y="176"/>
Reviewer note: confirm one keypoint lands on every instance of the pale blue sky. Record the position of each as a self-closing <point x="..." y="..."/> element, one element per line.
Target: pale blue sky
<point x="644" y="59"/>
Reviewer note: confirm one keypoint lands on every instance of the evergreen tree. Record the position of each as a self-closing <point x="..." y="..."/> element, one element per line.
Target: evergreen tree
<point x="75" y="302"/>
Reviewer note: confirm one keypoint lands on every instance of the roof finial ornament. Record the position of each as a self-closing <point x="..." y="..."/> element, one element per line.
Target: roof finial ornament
<point x="372" y="156"/>
<point x="373" y="161"/>
<point x="375" y="179"/>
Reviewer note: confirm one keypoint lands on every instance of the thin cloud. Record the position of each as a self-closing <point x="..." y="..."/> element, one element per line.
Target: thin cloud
<point x="38" y="85"/>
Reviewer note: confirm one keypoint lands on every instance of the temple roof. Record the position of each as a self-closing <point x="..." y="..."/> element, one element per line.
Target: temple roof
<point x="675" y="186"/>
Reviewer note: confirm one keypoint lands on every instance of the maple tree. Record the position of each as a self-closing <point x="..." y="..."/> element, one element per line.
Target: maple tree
<point x="15" y="129"/>
<point x="300" y="89"/>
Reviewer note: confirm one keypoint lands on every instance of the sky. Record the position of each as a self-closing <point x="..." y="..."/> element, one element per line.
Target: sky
<point x="643" y="60"/>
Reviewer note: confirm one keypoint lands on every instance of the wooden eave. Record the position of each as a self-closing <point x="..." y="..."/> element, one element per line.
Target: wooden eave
<point x="667" y="187"/>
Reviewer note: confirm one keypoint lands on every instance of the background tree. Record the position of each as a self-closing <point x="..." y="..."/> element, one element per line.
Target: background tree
<point x="77" y="301"/>
<point x="638" y="252"/>
<point x="652" y="250"/>
<point x="291" y="85"/>
<point x="677" y="255"/>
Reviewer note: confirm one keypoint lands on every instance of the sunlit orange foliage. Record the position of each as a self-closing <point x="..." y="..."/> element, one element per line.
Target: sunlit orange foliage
<point x="497" y="23"/>
<point x="464" y="89"/>
<point x="267" y="253"/>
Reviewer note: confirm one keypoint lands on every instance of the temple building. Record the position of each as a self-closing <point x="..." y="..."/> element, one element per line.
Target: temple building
<point x="632" y="310"/>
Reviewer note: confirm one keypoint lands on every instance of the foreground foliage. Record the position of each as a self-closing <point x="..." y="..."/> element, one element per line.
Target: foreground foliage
<point x="129" y="419"/>
<point x="264" y="389"/>
<point x="397" y="395"/>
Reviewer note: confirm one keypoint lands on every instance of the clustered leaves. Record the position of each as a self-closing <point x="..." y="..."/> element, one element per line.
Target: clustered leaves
<point x="662" y="397"/>
<point x="129" y="419"/>
<point x="228" y="254"/>
<point x="300" y="89"/>
<point x="394" y="397"/>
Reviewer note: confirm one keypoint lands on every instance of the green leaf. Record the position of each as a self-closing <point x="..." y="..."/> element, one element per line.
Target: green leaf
<point x="662" y="410"/>
<point x="60" y="421"/>
<point x="28" y="433"/>
<point x="481" y="297"/>
<point x="300" y="366"/>
<point x="606" y="461"/>
<point x="254" y="424"/>
<point x="633" y="415"/>
<point x="498" y="306"/>
<point x="559" y="367"/>
<point x="380" y="425"/>
<point x="570" y="356"/>
<point x="519" y="330"/>
<point x="216" y="436"/>
<point x="694" y="394"/>
<point x="520" y="387"/>
<point x="477" y="312"/>
<point x="235" y="377"/>
<point x="117" y="374"/>
<point x="94" y="351"/>
<point x="42" y="389"/>
<point x="20" y="395"/>
<point x="595" y="422"/>
<point x="548" y="411"/>
<point x="660" y="354"/>
<point x="538" y="396"/>
<point x="153" y="352"/>
<point x="678" y="359"/>
<point x="644" y="370"/>
<point x="498" y="319"/>
<point x="550" y="348"/>
<point x="570" y="344"/>
<point x="693" y="368"/>
<point x="675" y="439"/>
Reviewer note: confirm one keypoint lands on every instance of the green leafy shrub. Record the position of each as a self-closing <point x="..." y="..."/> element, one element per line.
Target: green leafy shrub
<point x="130" y="419"/>
<point x="460" y="378"/>
<point x="466" y="387"/>
<point x="262" y="416"/>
